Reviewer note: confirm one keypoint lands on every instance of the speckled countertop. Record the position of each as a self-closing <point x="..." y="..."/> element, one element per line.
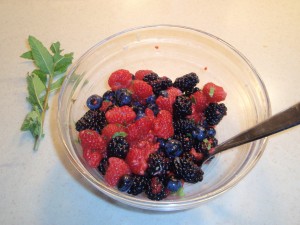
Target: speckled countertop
<point x="43" y="187"/>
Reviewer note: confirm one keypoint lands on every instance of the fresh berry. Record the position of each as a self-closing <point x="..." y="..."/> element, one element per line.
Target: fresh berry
<point x="186" y="82"/>
<point x="190" y="92"/>
<point x="138" y="185"/>
<point x="120" y="79"/>
<point x="116" y="169"/>
<point x="92" y="119"/>
<point x="196" y="116"/>
<point x="184" y="126"/>
<point x="141" y="89"/>
<point x="122" y="115"/>
<point x="200" y="101"/>
<point x="92" y="157"/>
<point x="160" y="84"/>
<point x="154" y="108"/>
<point x="173" y="148"/>
<point x="214" y="93"/>
<point x="136" y="160"/>
<point x="90" y="139"/>
<point x="182" y="107"/>
<point x="103" y="165"/>
<point x="155" y="189"/>
<point x="164" y="93"/>
<point x="173" y="184"/>
<point x="125" y="183"/>
<point x="197" y="156"/>
<point x="106" y="105"/>
<point x="186" y="169"/>
<point x="210" y="132"/>
<point x="123" y="97"/>
<point x="111" y="129"/>
<point x="214" y="113"/>
<point x="186" y="141"/>
<point x="163" y="127"/>
<point x="150" y="77"/>
<point x="117" y="147"/>
<point x="199" y="133"/>
<point x="94" y="102"/>
<point x="166" y="103"/>
<point x="151" y="99"/>
<point x="110" y="96"/>
<point x="140" y="74"/>
<point x="158" y="164"/>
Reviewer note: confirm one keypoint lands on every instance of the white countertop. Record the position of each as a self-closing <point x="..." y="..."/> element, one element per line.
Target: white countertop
<point x="43" y="187"/>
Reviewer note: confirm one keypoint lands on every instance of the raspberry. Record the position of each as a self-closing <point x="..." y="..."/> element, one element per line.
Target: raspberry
<point x="186" y="82"/>
<point x="90" y="139"/>
<point x="116" y="169"/>
<point x="136" y="160"/>
<point x="93" y="120"/>
<point x="214" y="113"/>
<point x="141" y="89"/>
<point x="140" y="74"/>
<point x="105" y="105"/>
<point x="163" y="127"/>
<point x="214" y="93"/>
<point x="166" y="103"/>
<point x="200" y="100"/>
<point x="110" y="129"/>
<point x="92" y="157"/>
<point x="120" y="79"/>
<point x="138" y="130"/>
<point x="149" y="114"/>
<point x="122" y="115"/>
<point x="173" y="92"/>
<point x="195" y="116"/>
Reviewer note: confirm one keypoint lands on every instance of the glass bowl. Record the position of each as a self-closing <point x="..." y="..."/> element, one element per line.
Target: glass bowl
<point x="170" y="51"/>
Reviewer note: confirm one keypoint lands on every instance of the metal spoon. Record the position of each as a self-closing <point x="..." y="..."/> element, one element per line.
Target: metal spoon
<point x="279" y="122"/>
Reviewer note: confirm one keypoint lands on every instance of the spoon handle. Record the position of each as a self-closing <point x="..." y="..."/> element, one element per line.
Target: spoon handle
<point x="279" y="122"/>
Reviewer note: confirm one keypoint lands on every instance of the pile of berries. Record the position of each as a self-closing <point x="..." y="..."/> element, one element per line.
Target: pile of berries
<point x="150" y="135"/>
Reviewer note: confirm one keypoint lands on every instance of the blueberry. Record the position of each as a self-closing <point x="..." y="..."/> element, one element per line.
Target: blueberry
<point x="151" y="99"/>
<point x="138" y="107"/>
<point x="164" y="93"/>
<point x="162" y="142"/>
<point x="174" y="184"/>
<point x="199" y="133"/>
<point x="154" y="108"/>
<point x="139" y="115"/>
<point x="123" y="97"/>
<point x="173" y="148"/>
<point x="94" y="102"/>
<point x="210" y="132"/>
<point x="109" y="96"/>
<point x="125" y="183"/>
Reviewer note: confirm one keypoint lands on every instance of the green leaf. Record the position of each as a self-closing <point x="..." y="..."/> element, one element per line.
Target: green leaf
<point x="41" y="56"/>
<point x="180" y="192"/>
<point x="119" y="134"/>
<point x="57" y="84"/>
<point x="35" y="88"/>
<point x="211" y="92"/>
<point x="33" y="123"/>
<point x="27" y="55"/>
<point x="41" y="75"/>
<point x="55" y="48"/>
<point x="61" y="63"/>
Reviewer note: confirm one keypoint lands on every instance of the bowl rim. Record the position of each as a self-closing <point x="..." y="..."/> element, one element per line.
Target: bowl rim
<point x="161" y="205"/>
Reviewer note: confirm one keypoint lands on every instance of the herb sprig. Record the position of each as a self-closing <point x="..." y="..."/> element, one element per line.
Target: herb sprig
<point x="46" y="78"/>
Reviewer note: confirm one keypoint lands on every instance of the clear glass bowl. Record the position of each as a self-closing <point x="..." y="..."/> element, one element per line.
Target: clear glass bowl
<point x="171" y="51"/>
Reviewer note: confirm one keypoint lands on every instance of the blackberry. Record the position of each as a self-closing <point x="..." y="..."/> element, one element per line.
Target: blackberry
<point x="92" y="119"/>
<point x="205" y="145"/>
<point x="182" y="107"/>
<point x="158" y="164"/>
<point x="109" y="96"/>
<point x="150" y="77"/>
<point x="187" y="82"/>
<point x="184" y="126"/>
<point x="138" y="185"/>
<point x="186" y="142"/>
<point x="117" y="147"/>
<point x="186" y="169"/>
<point x="155" y="189"/>
<point x="189" y="92"/>
<point x="214" y="113"/>
<point x="103" y="165"/>
<point x="125" y="183"/>
<point x="160" y="84"/>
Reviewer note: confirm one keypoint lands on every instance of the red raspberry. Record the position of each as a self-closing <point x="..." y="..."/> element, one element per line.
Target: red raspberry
<point x="139" y="75"/>
<point x="196" y="116"/>
<point x="138" y="130"/>
<point x="105" y="105"/>
<point x="150" y="114"/>
<point x="116" y="169"/>
<point x="198" y="156"/>
<point x="166" y="103"/>
<point x="110" y="129"/>
<point x="173" y="92"/>
<point x="163" y="126"/>
<point x="120" y="79"/>
<point x="141" y="89"/>
<point x="90" y="139"/>
<point x="214" y="93"/>
<point x="200" y="101"/>
<point x="92" y="157"/>
<point x="136" y="160"/>
<point x="121" y="115"/>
